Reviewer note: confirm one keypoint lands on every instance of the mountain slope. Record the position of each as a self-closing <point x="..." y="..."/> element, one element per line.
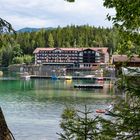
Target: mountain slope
<point x="28" y="29"/>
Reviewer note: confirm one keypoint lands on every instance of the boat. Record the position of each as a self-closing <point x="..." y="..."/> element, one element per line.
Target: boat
<point x="97" y="86"/>
<point x="106" y="111"/>
<point x="100" y="111"/>
<point x="100" y="78"/>
<point x="68" y="77"/>
<point x="54" y="77"/>
<point x="26" y="77"/>
<point x="89" y="76"/>
<point x="65" y="77"/>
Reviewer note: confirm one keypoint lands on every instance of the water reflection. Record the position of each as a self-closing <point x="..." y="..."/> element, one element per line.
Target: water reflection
<point x="33" y="108"/>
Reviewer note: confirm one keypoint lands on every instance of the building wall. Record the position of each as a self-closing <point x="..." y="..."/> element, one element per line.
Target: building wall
<point x="80" y="58"/>
<point x="56" y="56"/>
<point x="106" y="58"/>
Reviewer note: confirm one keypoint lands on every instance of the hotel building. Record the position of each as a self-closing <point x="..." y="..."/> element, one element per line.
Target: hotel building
<point x="72" y="57"/>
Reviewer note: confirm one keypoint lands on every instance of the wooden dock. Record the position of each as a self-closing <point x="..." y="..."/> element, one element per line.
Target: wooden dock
<point x="72" y="77"/>
<point x="96" y="86"/>
<point x="40" y="77"/>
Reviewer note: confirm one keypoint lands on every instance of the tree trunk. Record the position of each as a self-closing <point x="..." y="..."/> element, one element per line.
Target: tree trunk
<point x="5" y="133"/>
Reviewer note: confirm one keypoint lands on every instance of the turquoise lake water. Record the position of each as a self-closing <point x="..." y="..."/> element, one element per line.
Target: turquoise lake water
<point x="33" y="108"/>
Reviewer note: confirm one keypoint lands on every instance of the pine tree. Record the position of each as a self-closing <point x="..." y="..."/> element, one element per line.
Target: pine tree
<point x="50" y="41"/>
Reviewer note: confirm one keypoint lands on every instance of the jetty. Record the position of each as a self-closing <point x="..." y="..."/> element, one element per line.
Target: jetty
<point x="72" y="77"/>
<point x="96" y="86"/>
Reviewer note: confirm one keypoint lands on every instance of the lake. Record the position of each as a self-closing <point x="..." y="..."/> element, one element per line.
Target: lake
<point x="33" y="108"/>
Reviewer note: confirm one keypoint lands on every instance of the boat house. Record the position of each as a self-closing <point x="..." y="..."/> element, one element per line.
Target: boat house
<point x="124" y="61"/>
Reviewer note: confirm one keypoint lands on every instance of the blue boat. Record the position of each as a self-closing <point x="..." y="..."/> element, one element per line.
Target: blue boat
<point x="54" y="77"/>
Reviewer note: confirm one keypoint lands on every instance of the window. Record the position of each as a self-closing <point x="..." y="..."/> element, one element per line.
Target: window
<point x="81" y="54"/>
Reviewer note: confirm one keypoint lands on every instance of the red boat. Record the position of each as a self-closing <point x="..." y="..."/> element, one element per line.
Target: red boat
<point x="100" y="111"/>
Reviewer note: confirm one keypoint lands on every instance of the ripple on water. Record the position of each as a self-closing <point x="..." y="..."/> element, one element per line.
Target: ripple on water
<point x="33" y="108"/>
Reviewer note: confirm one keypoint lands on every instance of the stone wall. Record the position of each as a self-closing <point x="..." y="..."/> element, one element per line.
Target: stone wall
<point x="45" y="70"/>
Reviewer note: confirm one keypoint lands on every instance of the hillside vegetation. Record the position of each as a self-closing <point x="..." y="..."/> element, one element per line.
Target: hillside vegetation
<point x="19" y="47"/>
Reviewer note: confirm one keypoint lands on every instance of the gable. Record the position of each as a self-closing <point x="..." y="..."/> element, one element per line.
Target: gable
<point x="57" y="50"/>
<point x="89" y="51"/>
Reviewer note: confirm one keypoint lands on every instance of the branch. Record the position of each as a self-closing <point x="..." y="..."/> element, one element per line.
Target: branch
<point x="5" y="27"/>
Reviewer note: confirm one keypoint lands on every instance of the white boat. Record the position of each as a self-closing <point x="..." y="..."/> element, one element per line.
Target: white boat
<point x="89" y="76"/>
<point x="26" y="77"/>
<point x="65" y="77"/>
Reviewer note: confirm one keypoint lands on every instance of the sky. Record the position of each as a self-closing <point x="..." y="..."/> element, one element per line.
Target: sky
<point x="54" y="13"/>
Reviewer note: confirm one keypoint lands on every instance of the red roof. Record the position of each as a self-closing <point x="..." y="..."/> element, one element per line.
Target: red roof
<point x="42" y="49"/>
<point x="102" y="50"/>
<point x="70" y="49"/>
<point x="125" y="58"/>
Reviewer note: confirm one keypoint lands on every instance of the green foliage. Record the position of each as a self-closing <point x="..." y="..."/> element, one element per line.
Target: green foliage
<point x="122" y="124"/>
<point x="127" y="21"/>
<point x="127" y="13"/>
<point x="6" y="42"/>
<point x="17" y="60"/>
<point x="126" y="122"/>
<point x="127" y="111"/>
<point x="27" y="59"/>
<point x="70" y="36"/>
<point x="50" y="41"/>
<point x="5" y="58"/>
<point x="78" y="125"/>
<point x="126" y="48"/>
<point x="17" y="52"/>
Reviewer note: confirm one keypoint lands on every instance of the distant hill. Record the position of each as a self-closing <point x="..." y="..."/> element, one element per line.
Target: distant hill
<point x="28" y="29"/>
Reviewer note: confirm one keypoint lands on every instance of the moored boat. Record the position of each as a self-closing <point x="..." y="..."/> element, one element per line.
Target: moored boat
<point x="65" y="77"/>
<point x="100" y="111"/>
<point x="54" y="77"/>
<point x="26" y="77"/>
